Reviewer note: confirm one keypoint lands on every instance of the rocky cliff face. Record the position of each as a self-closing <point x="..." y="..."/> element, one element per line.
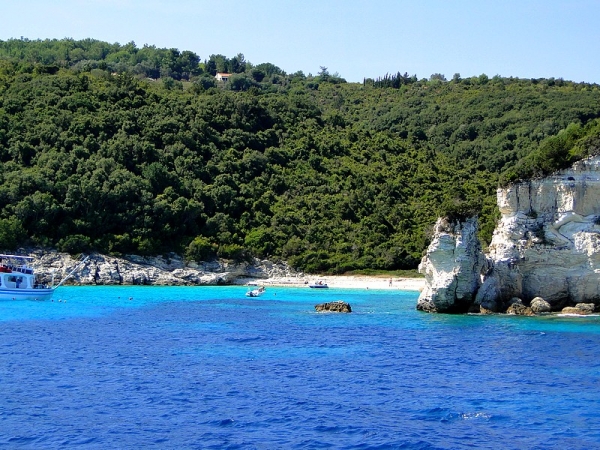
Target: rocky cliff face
<point x="547" y="244"/>
<point x="451" y="268"/>
<point x="136" y="270"/>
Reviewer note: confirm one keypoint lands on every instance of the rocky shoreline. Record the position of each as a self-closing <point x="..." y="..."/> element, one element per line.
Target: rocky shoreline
<point x="171" y="270"/>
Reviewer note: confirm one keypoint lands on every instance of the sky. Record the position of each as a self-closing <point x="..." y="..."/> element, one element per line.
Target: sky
<point x="354" y="38"/>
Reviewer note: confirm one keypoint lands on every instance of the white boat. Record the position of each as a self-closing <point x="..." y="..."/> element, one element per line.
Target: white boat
<point x="318" y="285"/>
<point x="256" y="292"/>
<point x="18" y="280"/>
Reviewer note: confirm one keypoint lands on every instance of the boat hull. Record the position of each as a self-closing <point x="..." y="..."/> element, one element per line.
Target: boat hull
<point x="255" y="292"/>
<point x="26" y="294"/>
<point x="318" y="286"/>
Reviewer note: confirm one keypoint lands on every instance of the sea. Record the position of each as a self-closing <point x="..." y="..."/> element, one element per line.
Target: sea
<point x="124" y="367"/>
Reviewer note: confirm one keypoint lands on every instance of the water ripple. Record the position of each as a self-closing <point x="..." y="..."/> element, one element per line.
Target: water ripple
<point x="207" y="368"/>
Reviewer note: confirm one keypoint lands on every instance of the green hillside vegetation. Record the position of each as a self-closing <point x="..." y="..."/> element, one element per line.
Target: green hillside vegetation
<point x="122" y="149"/>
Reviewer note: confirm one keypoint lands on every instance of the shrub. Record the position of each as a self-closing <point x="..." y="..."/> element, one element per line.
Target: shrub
<point x="260" y="242"/>
<point x="11" y="233"/>
<point x="75" y="244"/>
<point x="556" y="153"/>
<point x="200" y="249"/>
<point x="233" y="251"/>
<point x="458" y="210"/>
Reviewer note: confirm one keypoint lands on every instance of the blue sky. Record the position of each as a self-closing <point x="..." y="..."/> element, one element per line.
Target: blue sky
<point x="355" y="38"/>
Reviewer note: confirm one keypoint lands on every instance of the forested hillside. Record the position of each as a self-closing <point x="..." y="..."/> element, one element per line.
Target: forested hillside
<point x="140" y="150"/>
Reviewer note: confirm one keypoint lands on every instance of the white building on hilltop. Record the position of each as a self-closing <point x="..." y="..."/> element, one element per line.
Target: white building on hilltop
<point x="220" y="76"/>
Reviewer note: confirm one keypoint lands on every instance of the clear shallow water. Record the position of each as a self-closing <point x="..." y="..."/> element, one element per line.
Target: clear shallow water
<point x="206" y="367"/>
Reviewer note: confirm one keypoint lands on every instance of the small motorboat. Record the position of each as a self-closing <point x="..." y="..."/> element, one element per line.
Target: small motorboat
<point x="256" y="292"/>
<point x="318" y="285"/>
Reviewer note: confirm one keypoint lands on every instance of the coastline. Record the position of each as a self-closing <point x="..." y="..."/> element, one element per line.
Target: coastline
<point x="340" y="282"/>
<point x="174" y="271"/>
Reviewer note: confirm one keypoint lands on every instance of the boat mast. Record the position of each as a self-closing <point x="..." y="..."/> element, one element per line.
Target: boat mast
<point x="81" y="261"/>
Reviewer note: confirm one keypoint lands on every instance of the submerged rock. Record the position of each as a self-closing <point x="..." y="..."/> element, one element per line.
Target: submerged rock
<point x="336" y="306"/>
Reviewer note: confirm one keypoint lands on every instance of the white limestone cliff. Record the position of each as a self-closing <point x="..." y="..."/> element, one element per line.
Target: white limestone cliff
<point x="451" y="267"/>
<point x="546" y="244"/>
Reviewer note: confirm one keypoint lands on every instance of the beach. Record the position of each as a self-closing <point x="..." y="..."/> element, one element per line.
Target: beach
<point x="342" y="281"/>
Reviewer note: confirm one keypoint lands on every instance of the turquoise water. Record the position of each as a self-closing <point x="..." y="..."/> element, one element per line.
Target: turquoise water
<point x="207" y="367"/>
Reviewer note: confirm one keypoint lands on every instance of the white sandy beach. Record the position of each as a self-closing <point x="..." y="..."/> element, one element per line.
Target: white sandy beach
<point x="343" y="281"/>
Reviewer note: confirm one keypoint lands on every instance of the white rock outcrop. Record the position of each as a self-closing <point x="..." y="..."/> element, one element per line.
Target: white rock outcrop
<point x="452" y="266"/>
<point x="137" y="270"/>
<point x="546" y="244"/>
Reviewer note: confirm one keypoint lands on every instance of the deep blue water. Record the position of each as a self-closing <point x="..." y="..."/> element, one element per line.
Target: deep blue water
<point x="206" y="367"/>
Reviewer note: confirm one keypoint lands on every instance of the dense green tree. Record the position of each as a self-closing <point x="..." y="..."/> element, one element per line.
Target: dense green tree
<point x="95" y="153"/>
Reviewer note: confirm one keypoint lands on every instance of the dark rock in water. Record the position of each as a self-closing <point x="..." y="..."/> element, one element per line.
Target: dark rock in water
<point x="337" y="306"/>
<point x="586" y="307"/>
<point x="518" y="309"/>
<point x="573" y="310"/>
<point x="485" y="311"/>
<point x="582" y="309"/>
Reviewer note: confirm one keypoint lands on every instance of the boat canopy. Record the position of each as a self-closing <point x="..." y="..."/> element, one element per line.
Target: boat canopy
<point x="26" y="258"/>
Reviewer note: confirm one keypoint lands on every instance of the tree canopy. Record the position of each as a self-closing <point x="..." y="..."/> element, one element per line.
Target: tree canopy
<point x="141" y="150"/>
